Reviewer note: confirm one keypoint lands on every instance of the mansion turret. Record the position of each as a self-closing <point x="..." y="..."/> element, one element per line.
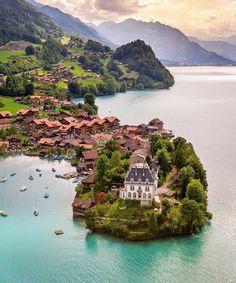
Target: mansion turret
<point x="140" y="184"/>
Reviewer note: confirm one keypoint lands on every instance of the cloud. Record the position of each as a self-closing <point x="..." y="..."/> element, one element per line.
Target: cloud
<point x="196" y="17"/>
<point x="117" y="6"/>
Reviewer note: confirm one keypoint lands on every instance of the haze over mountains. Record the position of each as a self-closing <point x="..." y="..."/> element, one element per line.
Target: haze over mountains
<point x="70" y="24"/>
<point x="220" y="47"/>
<point x="167" y="42"/>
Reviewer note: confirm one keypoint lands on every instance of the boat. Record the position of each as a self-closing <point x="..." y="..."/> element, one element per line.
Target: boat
<point x="3" y="179"/>
<point x="59" y="232"/>
<point x="36" y="212"/>
<point x="40" y="174"/>
<point x="13" y="174"/>
<point x="3" y="213"/>
<point x="31" y="178"/>
<point x="53" y="170"/>
<point x="46" y="195"/>
<point x="38" y="170"/>
<point x="23" y="189"/>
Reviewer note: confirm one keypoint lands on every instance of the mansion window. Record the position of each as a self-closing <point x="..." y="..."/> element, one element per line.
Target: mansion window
<point x="144" y="195"/>
<point x="129" y="195"/>
<point x="149" y="195"/>
<point x="134" y="195"/>
<point x="132" y="188"/>
<point x="146" y="189"/>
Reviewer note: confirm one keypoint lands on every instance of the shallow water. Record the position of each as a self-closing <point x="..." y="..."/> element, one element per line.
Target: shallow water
<point x="201" y="107"/>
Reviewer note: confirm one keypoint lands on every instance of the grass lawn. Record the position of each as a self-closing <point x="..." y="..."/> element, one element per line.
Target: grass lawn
<point x="90" y="81"/>
<point x="86" y="196"/>
<point x="62" y="85"/>
<point x="113" y="211"/>
<point x="65" y="40"/>
<point x="78" y="71"/>
<point x="5" y="55"/>
<point x="11" y="105"/>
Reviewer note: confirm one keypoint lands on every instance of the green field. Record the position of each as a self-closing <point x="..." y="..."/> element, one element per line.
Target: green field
<point x="11" y="105"/>
<point x="65" y="40"/>
<point x="90" y="81"/>
<point x="77" y="71"/>
<point x="62" y="85"/>
<point x="5" y="55"/>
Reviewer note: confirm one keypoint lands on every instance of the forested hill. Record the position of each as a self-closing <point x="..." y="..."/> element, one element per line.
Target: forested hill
<point x="20" y="21"/>
<point x="140" y="58"/>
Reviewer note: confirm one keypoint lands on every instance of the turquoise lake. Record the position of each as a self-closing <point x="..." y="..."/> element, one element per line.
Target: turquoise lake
<point x="202" y="108"/>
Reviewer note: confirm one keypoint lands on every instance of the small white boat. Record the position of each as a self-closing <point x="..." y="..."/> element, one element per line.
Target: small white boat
<point x="36" y="212"/>
<point x="3" y="179"/>
<point x="31" y="178"/>
<point x="23" y="189"/>
<point x="3" y="213"/>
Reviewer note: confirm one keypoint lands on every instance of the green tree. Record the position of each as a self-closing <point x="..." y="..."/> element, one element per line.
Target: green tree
<point x="89" y="98"/>
<point x="29" y="89"/>
<point x="152" y="222"/>
<point x="185" y="175"/>
<point x="193" y="216"/>
<point x="196" y="192"/>
<point x="29" y="50"/>
<point x="102" y="182"/>
<point x="91" y="220"/>
<point x="164" y="160"/>
<point x="115" y="159"/>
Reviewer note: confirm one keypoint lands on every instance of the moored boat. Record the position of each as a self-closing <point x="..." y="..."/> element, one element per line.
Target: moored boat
<point x="53" y="170"/>
<point x="23" y="189"/>
<point x="3" y="179"/>
<point x="3" y="213"/>
<point x="36" y="212"/>
<point x="38" y="170"/>
<point x="31" y="178"/>
<point x="40" y="174"/>
<point x="13" y="174"/>
<point x="46" y="195"/>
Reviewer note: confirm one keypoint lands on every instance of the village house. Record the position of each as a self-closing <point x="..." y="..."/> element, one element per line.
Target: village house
<point x="90" y="158"/>
<point x="5" y="123"/>
<point x="102" y="138"/>
<point x="5" y="114"/>
<point x="81" y="206"/>
<point x="140" y="184"/>
<point x="14" y="141"/>
<point x="4" y="144"/>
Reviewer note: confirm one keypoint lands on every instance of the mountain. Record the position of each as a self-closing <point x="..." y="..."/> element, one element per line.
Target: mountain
<point x="19" y="20"/>
<point x="230" y="39"/>
<point x="70" y="24"/>
<point x="167" y="42"/>
<point x="222" y="48"/>
<point x="140" y="57"/>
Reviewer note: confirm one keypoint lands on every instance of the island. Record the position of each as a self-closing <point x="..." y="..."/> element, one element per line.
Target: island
<point x="143" y="184"/>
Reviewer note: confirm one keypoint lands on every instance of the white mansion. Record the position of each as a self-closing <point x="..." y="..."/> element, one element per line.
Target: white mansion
<point x="140" y="183"/>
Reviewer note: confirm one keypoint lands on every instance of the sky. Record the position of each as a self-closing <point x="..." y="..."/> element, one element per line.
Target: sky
<point x="201" y="18"/>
